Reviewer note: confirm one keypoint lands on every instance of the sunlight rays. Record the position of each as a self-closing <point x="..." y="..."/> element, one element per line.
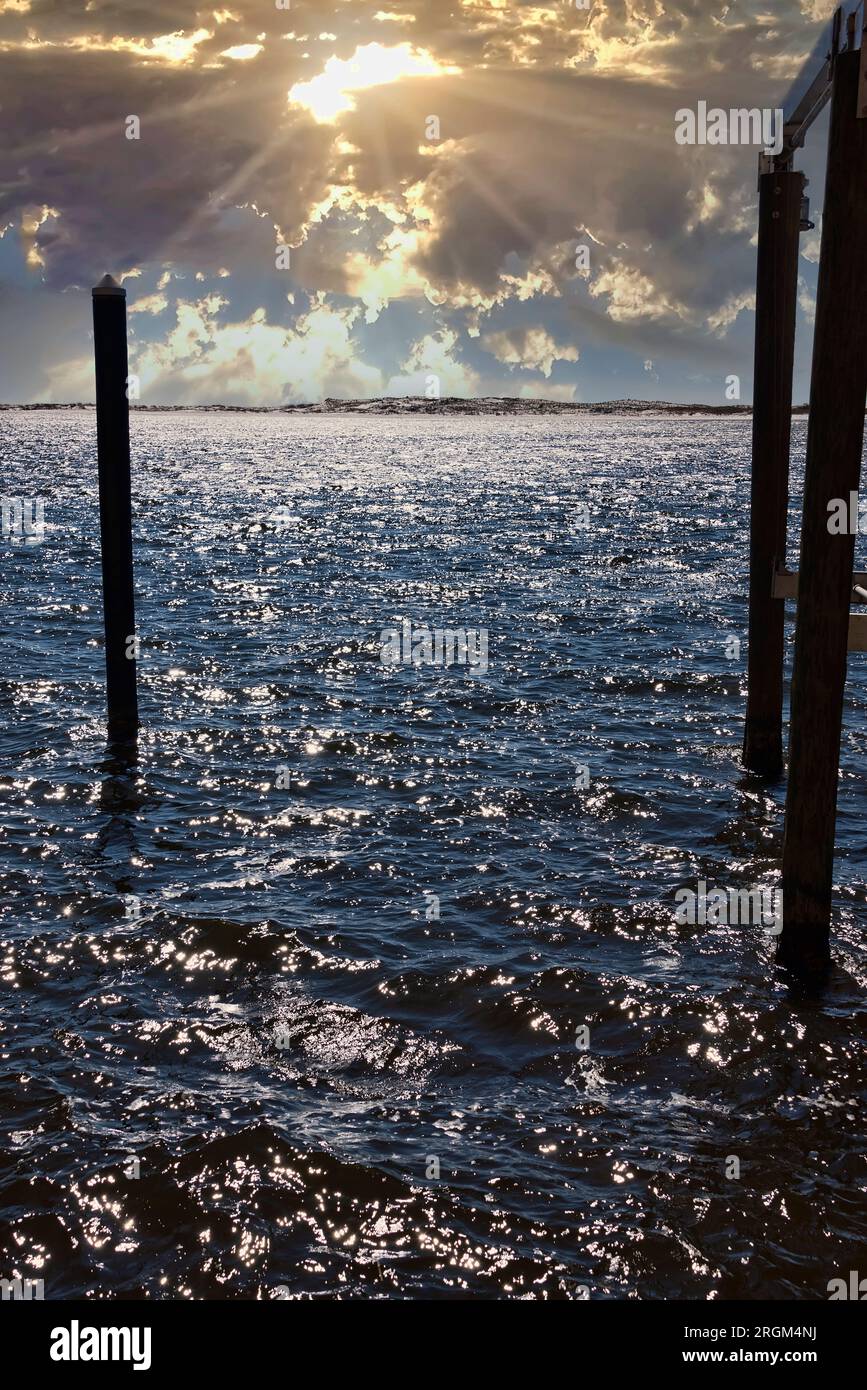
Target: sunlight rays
<point x="330" y="94"/>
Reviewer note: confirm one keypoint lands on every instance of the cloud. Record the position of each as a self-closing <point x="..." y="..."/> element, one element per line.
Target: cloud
<point x="149" y="304"/>
<point x="547" y="391"/>
<point x="532" y="349"/>
<point x="242" y="52"/>
<point x="378" y="279"/>
<point x="331" y="92"/>
<point x="632" y="295"/>
<point x="807" y="300"/>
<point x="206" y="358"/>
<point x="49" y="330"/>
<point x="258" y="125"/>
<point x="433" y="369"/>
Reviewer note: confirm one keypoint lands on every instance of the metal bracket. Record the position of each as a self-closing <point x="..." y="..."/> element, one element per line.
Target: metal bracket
<point x="811" y="89"/>
<point x="785" y="585"/>
<point x="836" y="34"/>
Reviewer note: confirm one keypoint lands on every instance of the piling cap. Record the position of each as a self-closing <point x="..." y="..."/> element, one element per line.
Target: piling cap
<point x="108" y="285"/>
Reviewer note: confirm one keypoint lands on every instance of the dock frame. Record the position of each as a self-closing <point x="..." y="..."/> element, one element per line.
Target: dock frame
<point x="825" y="586"/>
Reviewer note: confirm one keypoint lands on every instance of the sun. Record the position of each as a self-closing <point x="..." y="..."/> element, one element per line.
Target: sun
<point x="371" y="65"/>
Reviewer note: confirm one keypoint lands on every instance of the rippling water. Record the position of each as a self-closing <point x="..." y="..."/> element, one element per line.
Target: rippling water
<point x="241" y="990"/>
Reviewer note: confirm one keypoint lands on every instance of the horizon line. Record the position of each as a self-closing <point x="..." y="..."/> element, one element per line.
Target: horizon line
<point x="429" y="406"/>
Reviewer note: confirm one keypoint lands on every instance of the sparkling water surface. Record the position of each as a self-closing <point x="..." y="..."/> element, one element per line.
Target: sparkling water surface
<point x="242" y="989"/>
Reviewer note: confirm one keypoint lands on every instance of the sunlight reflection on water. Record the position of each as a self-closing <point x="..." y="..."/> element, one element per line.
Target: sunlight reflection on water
<point x="240" y="984"/>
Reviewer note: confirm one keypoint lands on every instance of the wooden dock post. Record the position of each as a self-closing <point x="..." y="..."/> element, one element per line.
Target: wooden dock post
<point x="834" y="444"/>
<point x="780" y="197"/>
<point x="115" y="507"/>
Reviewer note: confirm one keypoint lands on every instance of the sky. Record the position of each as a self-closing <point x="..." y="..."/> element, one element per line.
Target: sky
<point x="311" y="200"/>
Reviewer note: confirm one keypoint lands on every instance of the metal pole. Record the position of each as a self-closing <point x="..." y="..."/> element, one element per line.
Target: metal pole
<point x="115" y="507"/>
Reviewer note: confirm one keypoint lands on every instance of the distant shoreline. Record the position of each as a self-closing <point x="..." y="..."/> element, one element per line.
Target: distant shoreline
<point x="447" y="405"/>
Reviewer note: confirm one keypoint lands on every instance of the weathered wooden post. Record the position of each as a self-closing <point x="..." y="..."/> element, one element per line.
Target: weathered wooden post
<point x="780" y="197"/>
<point x="115" y="507"/>
<point x="834" y="444"/>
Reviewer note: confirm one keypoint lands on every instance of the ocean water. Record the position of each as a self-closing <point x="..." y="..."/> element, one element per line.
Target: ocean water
<point x="292" y="1007"/>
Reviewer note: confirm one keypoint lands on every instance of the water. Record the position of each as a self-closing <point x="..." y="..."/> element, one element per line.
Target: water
<point x="242" y="991"/>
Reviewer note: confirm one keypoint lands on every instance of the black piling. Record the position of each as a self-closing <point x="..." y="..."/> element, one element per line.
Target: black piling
<point x="833" y="467"/>
<point x="776" y="297"/>
<point x="115" y="508"/>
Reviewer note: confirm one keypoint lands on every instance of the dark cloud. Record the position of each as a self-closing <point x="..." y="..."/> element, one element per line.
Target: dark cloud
<point x="560" y="120"/>
<point x="208" y="141"/>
